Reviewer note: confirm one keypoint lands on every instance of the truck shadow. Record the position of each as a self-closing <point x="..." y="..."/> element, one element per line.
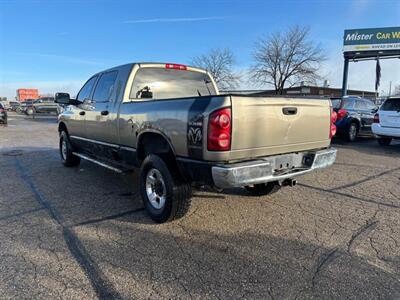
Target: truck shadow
<point x="102" y="212"/>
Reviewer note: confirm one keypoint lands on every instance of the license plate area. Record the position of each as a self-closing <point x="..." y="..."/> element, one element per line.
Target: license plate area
<point x="283" y="163"/>
<point x="292" y="161"/>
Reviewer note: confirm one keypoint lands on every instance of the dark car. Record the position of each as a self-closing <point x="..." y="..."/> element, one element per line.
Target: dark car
<point x="42" y="106"/>
<point x="354" y="115"/>
<point x="3" y="114"/>
<point x="14" y="105"/>
<point x="23" y="105"/>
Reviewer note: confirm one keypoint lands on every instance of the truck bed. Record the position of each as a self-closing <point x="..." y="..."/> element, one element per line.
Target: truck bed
<point x="264" y="126"/>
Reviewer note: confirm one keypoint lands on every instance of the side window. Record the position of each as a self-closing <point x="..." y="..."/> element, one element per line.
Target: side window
<point x="348" y="104"/>
<point x="105" y="87"/>
<point x="86" y="90"/>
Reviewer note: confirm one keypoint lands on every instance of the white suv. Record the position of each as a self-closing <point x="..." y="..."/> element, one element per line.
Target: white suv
<point x="386" y="124"/>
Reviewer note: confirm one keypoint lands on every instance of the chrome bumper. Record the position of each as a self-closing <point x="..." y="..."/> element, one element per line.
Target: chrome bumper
<point x="272" y="168"/>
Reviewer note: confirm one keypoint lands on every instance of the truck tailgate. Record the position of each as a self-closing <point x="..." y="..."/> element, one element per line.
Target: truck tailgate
<point x="268" y="126"/>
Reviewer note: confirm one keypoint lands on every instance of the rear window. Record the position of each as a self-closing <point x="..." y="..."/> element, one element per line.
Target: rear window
<point x="391" y="105"/>
<point x="1" y="106"/>
<point x="158" y="83"/>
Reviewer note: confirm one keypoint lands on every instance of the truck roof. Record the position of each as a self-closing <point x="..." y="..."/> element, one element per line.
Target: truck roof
<point x="156" y="65"/>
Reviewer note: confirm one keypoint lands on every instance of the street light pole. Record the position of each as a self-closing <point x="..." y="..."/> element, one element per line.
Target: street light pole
<point x="345" y="76"/>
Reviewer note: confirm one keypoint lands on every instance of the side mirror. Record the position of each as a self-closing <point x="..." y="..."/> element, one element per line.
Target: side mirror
<point x="375" y="110"/>
<point x="65" y="99"/>
<point x="62" y="98"/>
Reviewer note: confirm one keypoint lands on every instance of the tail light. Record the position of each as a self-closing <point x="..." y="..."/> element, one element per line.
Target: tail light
<point x="2" y="110"/>
<point x="332" y="130"/>
<point x="176" y="67"/>
<point x="341" y="113"/>
<point x="376" y="118"/>
<point x="219" y="130"/>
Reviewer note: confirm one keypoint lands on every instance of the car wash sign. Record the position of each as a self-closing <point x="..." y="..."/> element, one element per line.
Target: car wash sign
<point x="372" y="39"/>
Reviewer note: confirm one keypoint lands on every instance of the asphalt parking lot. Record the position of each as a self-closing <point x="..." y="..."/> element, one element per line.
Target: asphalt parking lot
<point x="82" y="233"/>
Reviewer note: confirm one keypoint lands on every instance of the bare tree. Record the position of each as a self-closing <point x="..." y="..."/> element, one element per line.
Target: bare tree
<point x="286" y="58"/>
<point x="219" y="62"/>
<point x="396" y="90"/>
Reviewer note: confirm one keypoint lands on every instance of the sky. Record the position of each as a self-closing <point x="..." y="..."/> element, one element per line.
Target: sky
<point x="56" y="45"/>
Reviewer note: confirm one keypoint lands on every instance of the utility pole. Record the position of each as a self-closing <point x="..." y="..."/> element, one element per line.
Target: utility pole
<point x="390" y="89"/>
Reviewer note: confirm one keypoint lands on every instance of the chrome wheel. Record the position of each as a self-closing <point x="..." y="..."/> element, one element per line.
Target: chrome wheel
<point x="353" y="132"/>
<point x="64" y="149"/>
<point x="155" y="189"/>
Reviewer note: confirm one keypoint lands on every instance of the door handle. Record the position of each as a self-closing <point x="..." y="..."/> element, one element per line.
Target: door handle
<point x="82" y="113"/>
<point x="289" y="110"/>
<point x="104" y="113"/>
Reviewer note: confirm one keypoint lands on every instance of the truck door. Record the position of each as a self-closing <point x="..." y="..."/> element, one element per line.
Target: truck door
<point x="99" y="117"/>
<point x="76" y="119"/>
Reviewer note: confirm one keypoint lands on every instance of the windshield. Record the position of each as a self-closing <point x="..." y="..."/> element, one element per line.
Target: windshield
<point x="159" y="83"/>
<point x="336" y="102"/>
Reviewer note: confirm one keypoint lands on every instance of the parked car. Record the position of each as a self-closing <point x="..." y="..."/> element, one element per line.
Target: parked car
<point x="14" y="105"/>
<point x="24" y="105"/>
<point x="42" y="106"/>
<point x="170" y="121"/>
<point x="354" y="115"/>
<point x="3" y="114"/>
<point x="386" y="124"/>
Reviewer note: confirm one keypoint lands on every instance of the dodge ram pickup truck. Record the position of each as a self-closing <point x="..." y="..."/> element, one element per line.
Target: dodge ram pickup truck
<point x="170" y="121"/>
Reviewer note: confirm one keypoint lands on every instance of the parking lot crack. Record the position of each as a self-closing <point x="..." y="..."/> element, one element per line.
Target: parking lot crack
<point x="325" y="259"/>
<point x="361" y="231"/>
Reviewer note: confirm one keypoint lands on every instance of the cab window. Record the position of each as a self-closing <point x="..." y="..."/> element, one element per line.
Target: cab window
<point x="159" y="83"/>
<point x="86" y="90"/>
<point x="105" y="87"/>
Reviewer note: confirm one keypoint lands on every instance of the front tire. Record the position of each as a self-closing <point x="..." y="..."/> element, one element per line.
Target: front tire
<point x="165" y="195"/>
<point x="263" y="189"/>
<point x="384" y="141"/>
<point x="352" y="132"/>
<point x="68" y="159"/>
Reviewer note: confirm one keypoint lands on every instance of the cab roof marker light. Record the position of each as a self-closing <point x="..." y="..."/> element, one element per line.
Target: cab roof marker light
<point x="176" y="67"/>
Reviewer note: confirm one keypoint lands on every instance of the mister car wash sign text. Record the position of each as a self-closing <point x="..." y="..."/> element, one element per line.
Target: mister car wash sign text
<point x="372" y="39"/>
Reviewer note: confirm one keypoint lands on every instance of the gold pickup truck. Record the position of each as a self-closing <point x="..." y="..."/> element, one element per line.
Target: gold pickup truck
<point x="170" y="121"/>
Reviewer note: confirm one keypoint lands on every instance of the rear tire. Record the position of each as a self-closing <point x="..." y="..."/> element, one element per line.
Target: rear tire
<point x="352" y="132"/>
<point x="68" y="159"/>
<point x="384" y="141"/>
<point x="30" y="111"/>
<point x="263" y="189"/>
<point x="166" y="196"/>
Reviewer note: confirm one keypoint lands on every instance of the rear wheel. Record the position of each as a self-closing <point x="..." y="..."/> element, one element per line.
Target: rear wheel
<point x="67" y="157"/>
<point x="30" y="111"/>
<point x="384" y="141"/>
<point x="166" y="196"/>
<point x="352" y="132"/>
<point x="263" y="189"/>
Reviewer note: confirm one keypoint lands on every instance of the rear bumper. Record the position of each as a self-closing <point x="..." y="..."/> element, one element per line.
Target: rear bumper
<point x="385" y="131"/>
<point x="272" y="168"/>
